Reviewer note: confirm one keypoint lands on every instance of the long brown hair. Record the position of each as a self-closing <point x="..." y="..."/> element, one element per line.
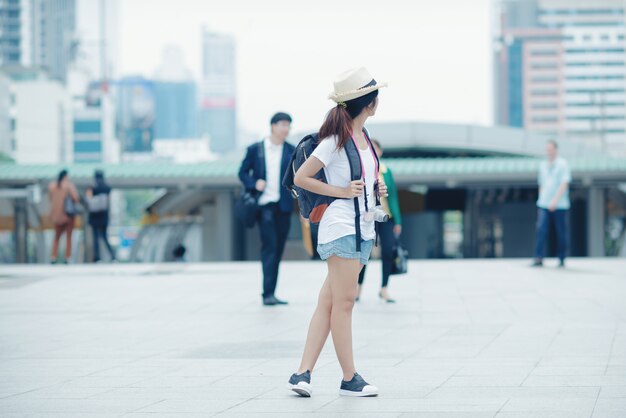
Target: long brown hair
<point x="60" y="178"/>
<point x="339" y="119"/>
<point x="338" y="122"/>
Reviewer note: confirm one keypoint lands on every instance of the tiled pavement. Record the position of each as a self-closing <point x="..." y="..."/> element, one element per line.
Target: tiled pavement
<point x="467" y="338"/>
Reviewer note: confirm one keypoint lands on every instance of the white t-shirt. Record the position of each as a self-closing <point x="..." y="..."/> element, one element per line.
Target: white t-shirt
<point x="338" y="219"/>
<point x="273" y="163"/>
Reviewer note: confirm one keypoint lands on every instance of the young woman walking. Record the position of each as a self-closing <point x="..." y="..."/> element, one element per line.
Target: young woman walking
<point x="356" y="95"/>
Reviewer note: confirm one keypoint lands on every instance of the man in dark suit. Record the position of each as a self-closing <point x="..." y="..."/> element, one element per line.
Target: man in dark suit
<point x="262" y="171"/>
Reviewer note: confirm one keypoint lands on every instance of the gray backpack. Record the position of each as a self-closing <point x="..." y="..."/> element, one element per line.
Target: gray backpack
<point x="312" y="206"/>
<point x="98" y="203"/>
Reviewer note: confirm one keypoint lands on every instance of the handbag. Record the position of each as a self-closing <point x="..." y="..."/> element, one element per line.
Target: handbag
<point x="69" y="206"/>
<point x="247" y="206"/>
<point x="400" y="259"/>
<point x="98" y="203"/>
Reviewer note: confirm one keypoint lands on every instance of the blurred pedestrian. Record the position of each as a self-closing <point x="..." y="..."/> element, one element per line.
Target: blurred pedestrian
<point x="553" y="203"/>
<point x="98" y="203"/>
<point x="389" y="231"/>
<point x="63" y="210"/>
<point x="262" y="172"/>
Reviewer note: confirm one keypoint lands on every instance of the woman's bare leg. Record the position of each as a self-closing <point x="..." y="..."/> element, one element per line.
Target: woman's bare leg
<point x="343" y="275"/>
<point x="58" y="231"/>
<point x="68" y="240"/>
<point x="318" y="329"/>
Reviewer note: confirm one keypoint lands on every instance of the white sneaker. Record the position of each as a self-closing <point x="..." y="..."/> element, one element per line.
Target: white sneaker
<point x="357" y="387"/>
<point x="301" y="384"/>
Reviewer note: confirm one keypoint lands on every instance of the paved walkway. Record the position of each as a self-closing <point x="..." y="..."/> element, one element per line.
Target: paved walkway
<point x="466" y="339"/>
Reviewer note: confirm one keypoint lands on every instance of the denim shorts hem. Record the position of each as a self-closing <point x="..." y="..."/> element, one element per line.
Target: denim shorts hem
<point x="345" y="247"/>
<point x="345" y="255"/>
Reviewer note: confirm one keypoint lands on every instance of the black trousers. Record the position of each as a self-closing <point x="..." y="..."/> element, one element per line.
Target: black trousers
<point x="274" y="227"/>
<point x="387" y="242"/>
<point x="100" y="233"/>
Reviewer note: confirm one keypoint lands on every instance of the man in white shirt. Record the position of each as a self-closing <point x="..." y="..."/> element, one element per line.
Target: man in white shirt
<point x="553" y="203"/>
<point x="262" y="171"/>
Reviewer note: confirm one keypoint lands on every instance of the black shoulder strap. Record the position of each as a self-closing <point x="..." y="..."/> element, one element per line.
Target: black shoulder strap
<point x="354" y="160"/>
<point x="261" y="153"/>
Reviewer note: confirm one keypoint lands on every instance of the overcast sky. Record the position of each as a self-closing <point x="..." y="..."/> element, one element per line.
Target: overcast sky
<point x="436" y="55"/>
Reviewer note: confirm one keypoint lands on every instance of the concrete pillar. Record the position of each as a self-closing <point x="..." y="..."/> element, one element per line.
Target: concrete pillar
<point x="20" y="230"/>
<point x="225" y="229"/>
<point x="41" y="247"/>
<point x="34" y="200"/>
<point x="217" y="228"/>
<point x="208" y="232"/>
<point x="37" y="225"/>
<point x="468" y="225"/>
<point x="595" y="222"/>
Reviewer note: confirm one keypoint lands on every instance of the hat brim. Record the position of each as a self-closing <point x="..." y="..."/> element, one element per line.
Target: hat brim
<point x="351" y="95"/>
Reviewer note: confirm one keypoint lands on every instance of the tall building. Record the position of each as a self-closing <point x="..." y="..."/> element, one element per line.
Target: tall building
<point x="218" y="110"/>
<point x="176" y="98"/>
<point x="94" y="128"/>
<point x="41" y="118"/>
<point x="87" y="128"/>
<point x="560" y="69"/>
<point x="53" y="36"/>
<point x="135" y="110"/>
<point x="11" y="12"/>
<point x="5" y="116"/>
<point x="176" y="112"/>
<point x="97" y="38"/>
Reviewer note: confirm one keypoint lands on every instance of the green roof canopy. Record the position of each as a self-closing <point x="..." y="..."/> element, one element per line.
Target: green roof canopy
<point x="429" y="171"/>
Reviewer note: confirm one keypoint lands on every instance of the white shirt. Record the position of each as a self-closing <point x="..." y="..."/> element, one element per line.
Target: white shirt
<point x="273" y="163"/>
<point x="338" y="219"/>
<point x="551" y="177"/>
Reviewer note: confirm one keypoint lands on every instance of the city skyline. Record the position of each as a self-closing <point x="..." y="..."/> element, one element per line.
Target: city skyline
<point x="561" y="70"/>
<point x="287" y="59"/>
<point x="243" y="61"/>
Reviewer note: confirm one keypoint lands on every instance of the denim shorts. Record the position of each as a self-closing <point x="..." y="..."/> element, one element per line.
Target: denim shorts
<point x="345" y="247"/>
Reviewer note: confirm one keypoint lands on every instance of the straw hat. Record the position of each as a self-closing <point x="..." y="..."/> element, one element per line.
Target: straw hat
<point x="354" y="83"/>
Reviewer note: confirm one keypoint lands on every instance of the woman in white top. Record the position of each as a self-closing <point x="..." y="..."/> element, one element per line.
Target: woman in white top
<point x="356" y="95"/>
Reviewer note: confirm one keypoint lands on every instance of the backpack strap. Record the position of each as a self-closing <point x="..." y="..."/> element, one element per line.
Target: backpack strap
<point x="290" y="173"/>
<point x="354" y="160"/>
